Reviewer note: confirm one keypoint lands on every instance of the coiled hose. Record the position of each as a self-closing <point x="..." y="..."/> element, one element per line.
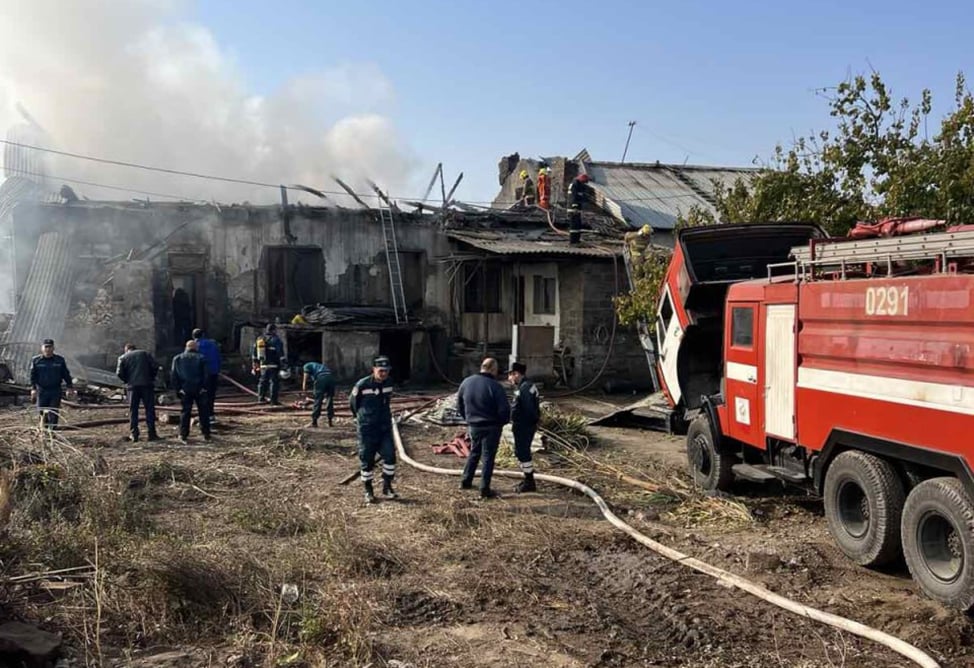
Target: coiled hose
<point x="725" y="578"/>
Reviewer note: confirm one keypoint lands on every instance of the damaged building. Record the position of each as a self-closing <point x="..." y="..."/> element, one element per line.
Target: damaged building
<point x="94" y="275"/>
<point x="633" y="194"/>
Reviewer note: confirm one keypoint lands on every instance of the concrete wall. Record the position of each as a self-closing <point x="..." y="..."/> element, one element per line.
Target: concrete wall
<point x="231" y="241"/>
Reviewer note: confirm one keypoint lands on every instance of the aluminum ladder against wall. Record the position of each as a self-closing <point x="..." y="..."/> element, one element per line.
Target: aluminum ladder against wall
<point x="392" y="259"/>
<point x="943" y="246"/>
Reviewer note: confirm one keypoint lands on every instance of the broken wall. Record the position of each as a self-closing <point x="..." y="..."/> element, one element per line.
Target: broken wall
<point x="233" y="240"/>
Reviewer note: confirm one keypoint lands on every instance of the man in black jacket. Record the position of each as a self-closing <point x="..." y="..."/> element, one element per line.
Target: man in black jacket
<point x="137" y="369"/>
<point x="482" y="402"/>
<point x="189" y="380"/>
<point x="525" y="414"/>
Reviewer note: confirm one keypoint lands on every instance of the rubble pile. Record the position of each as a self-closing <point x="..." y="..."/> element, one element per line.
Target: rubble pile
<point x="444" y="412"/>
<point x="97" y="313"/>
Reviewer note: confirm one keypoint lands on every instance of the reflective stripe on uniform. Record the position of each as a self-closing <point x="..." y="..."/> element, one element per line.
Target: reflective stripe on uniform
<point x="527" y="467"/>
<point x="367" y="475"/>
<point x="389" y="469"/>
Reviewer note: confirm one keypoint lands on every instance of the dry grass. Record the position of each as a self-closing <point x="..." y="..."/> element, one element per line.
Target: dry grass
<point x="140" y="585"/>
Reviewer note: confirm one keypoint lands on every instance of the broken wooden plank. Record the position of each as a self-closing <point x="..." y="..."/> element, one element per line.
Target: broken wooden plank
<point x="351" y="192"/>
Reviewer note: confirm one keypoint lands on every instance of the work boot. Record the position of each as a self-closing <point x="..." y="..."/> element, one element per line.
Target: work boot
<point x="330" y="422"/>
<point x="387" y="490"/>
<point x="369" y="492"/>
<point x="489" y="494"/>
<point x="466" y="484"/>
<point x="184" y="440"/>
<point x="134" y="437"/>
<point x="526" y="485"/>
<point x="207" y="437"/>
<point x="314" y="423"/>
<point x="153" y="436"/>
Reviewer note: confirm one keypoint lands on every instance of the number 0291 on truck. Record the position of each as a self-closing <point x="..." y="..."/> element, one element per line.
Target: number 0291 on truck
<point x="843" y="365"/>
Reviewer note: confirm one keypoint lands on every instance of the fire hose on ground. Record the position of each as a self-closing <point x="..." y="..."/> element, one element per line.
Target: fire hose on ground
<point x="725" y="578"/>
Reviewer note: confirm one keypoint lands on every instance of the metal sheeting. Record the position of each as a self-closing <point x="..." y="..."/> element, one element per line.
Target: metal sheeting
<point x="500" y="244"/>
<point x="44" y="305"/>
<point x="654" y="195"/>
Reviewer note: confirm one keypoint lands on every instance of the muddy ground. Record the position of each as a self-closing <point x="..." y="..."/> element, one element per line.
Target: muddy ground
<point x="183" y="552"/>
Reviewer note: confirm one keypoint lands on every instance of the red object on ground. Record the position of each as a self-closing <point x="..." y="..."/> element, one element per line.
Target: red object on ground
<point x="459" y="446"/>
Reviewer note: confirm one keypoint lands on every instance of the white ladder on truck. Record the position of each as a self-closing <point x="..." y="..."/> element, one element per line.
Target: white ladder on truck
<point x="837" y="255"/>
<point x="392" y="260"/>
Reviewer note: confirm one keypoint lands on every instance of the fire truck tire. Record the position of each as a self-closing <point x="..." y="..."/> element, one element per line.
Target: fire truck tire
<point x="938" y="541"/>
<point x="710" y="463"/>
<point x="863" y="505"/>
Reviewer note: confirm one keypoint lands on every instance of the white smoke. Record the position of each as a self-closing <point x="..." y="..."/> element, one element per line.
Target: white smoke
<point x="133" y="81"/>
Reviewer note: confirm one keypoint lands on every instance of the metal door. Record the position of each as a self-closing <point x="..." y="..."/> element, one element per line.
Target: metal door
<point x="779" y="374"/>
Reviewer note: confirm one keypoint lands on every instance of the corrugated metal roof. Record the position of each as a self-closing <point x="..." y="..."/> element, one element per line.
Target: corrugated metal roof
<point x="510" y="244"/>
<point x="45" y="301"/>
<point x="655" y="194"/>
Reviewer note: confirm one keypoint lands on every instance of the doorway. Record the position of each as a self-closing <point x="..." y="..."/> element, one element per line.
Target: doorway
<point x="397" y="345"/>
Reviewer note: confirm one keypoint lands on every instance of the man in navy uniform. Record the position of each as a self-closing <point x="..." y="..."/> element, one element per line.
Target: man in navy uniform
<point x="525" y="414"/>
<point x="324" y="387"/>
<point x="47" y="372"/>
<point x="268" y="358"/>
<point x="370" y="402"/>
<point x="210" y="351"/>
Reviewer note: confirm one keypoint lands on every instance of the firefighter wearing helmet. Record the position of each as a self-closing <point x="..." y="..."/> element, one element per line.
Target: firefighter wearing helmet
<point x="579" y="192"/>
<point x="527" y="189"/>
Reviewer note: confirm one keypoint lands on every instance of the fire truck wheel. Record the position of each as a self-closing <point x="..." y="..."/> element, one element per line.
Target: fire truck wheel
<point x="863" y="505"/>
<point x="710" y="463"/>
<point x="938" y="541"/>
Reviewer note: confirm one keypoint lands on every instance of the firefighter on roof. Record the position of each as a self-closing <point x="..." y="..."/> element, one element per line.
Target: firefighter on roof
<point x="527" y="192"/>
<point x="544" y="187"/>
<point x="370" y="402"/>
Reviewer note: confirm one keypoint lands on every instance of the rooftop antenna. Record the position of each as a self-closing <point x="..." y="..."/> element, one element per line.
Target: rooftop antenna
<point x="632" y="124"/>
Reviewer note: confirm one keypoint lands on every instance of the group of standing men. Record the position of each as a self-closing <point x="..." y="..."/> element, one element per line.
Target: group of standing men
<point x="482" y="402"/>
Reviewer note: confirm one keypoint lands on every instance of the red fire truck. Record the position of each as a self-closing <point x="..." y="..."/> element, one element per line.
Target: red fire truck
<point x="847" y="368"/>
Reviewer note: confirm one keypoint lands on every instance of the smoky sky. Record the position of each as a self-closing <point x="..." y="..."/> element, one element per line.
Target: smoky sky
<point x="135" y="81"/>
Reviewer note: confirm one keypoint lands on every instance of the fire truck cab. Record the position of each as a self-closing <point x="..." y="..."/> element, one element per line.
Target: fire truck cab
<point x="849" y="370"/>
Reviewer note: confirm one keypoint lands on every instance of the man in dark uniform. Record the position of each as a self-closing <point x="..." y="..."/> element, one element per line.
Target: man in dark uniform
<point x="482" y="402"/>
<point x="138" y="369"/>
<point x="525" y="414"/>
<point x="370" y="403"/>
<point x="578" y="193"/>
<point x="188" y="378"/>
<point x="47" y="372"/>
<point x="324" y="387"/>
<point x="268" y="358"/>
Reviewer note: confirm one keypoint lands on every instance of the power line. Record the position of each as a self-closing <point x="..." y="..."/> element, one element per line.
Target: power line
<point x="110" y="187"/>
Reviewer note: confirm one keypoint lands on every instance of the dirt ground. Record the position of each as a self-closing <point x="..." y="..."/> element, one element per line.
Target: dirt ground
<point x="247" y="551"/>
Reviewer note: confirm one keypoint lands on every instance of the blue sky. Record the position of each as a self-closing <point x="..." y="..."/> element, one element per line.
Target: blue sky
<point x="707" y="82"/>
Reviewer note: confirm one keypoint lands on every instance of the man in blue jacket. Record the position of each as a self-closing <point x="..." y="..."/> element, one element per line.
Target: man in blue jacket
<point x="482" y="402"/>
<point x="370" y="401"/>
<point x="47" y="372"/>
<point x="211" y="353"/>
<point x="189" y="380"/>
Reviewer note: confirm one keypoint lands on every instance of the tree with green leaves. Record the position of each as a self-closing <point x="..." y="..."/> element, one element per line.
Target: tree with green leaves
<point x="879" y="161"/>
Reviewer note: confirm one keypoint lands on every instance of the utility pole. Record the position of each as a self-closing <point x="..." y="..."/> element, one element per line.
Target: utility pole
<point x="632" y="124"/>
